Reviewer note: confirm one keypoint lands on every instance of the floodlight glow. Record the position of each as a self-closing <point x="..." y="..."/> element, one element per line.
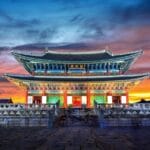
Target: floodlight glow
<point x="69" y="100"/>
<point x="109" y="99"/>
<point x="44" y="98"/>
<point x="30" y="99"/>
<point x="123" y="99"/>
<point x="84" y="99"/>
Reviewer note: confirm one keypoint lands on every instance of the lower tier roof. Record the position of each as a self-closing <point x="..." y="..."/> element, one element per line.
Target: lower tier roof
<point x="76" y="78"/>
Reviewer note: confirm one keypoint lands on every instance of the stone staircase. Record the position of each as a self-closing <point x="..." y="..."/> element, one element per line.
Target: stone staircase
<point x="76" y="117"/>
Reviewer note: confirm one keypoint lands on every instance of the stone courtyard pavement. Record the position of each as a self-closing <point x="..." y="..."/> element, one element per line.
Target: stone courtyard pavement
<point x="74" y="138"/>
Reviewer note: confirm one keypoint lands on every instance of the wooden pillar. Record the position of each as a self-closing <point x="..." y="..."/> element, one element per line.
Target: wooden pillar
<point x="108" y="68"/>
<point x="26" y="96"/>
<point x="65" y="98"/>
<point x="43" y="92"/>
<point x="127" y="98"/>
<point x="88" y="94"/>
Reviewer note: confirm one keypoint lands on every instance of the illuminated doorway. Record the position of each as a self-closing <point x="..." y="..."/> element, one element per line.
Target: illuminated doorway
<point x="76" y="101"/>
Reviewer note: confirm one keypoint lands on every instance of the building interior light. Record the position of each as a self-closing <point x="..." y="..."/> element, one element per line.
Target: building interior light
<point x="109" y="99"/>
<point x="69" y="100"/>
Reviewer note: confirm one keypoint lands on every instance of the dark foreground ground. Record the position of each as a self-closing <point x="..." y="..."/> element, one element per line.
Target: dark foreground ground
<point x="74" y="138"/>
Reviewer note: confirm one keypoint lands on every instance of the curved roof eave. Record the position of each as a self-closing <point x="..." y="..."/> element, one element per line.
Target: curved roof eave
<point x="77" y="78"/>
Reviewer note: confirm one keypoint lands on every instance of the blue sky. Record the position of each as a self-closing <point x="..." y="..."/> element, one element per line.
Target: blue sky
<point x="59" y="21"/>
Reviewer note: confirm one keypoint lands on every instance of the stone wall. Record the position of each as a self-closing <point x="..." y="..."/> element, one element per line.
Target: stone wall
<point x="24" y="121"/>
<point x="47" y="116"/>
<point x="124" y="122"/>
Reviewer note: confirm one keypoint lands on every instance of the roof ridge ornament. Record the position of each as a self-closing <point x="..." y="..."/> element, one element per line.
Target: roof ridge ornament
<point x="107" y="49"/>
<point x="80" y="52"/>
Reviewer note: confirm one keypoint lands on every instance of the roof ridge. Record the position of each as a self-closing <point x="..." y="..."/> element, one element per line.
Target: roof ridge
<point x="80" y="52"/>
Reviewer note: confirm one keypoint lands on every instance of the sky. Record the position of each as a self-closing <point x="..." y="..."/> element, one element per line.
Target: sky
<point x="121" y="26"/>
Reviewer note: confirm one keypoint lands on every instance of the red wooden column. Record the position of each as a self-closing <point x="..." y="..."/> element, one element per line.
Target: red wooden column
<point x="26" y="96"/>
<point x="65" y="98"/>
<point x="88" y="94"/>
<point x="126" y="94"/>
<point x="44" y="94"/>
<point x="44" y="91"/>
<point x="127" y="98"/>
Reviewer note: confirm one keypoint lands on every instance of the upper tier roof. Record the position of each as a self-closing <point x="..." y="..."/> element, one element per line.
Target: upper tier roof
<point x="77" y="56"/>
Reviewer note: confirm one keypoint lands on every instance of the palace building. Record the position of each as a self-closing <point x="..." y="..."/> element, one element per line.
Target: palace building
<point x="76" y="79"/>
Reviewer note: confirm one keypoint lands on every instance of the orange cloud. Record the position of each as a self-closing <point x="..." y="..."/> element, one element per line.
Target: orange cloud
<point x="9" y="90"/>
<point x="141" y="91"/>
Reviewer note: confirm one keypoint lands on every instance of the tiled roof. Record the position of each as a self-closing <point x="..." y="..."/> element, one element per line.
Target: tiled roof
<point x="76" y="78"/>
<point x="74" y="56"/>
